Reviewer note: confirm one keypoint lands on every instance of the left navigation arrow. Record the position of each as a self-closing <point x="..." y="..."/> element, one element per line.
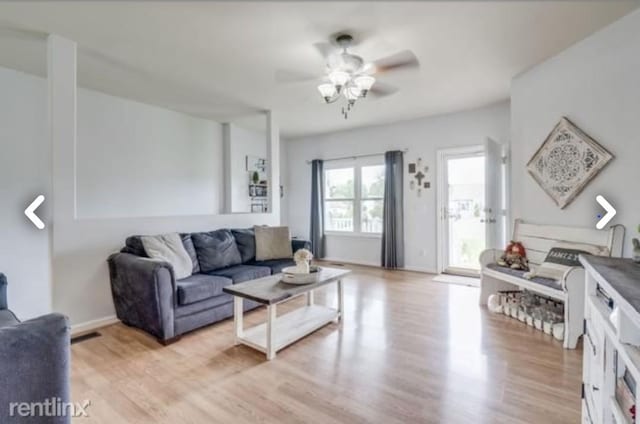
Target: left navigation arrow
<point x="30" y="212"/>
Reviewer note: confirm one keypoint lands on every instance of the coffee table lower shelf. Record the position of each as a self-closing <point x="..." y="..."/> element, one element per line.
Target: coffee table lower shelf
<point x="287" y="328"/>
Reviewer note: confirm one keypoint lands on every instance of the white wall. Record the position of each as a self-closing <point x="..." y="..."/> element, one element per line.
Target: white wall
<point x="596" y="85"/>
<point x="153" y="162"/>
<point x="66" y="270"/>
<point x="25" y="172"/>
<point x="423" y="137"/>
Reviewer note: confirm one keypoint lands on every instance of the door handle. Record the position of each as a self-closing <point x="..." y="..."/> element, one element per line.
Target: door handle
<point x="488" y="221"/>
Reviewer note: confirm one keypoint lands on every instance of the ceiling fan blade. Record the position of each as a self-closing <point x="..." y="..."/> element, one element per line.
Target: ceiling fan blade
<point x="284" y="76"/>
<point x="381" y="89"/>
<point x="405" y="59"/>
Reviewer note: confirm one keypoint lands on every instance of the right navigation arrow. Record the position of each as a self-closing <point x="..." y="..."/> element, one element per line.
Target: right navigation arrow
<point x="611" y="212"/>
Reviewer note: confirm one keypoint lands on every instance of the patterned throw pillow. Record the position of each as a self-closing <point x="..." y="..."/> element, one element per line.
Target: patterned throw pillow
<point x="563" y="256"/>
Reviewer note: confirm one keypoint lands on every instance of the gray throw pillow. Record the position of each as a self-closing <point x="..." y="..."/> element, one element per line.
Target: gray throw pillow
<point x="272" y="243"/>
<point x="216" y="249"/>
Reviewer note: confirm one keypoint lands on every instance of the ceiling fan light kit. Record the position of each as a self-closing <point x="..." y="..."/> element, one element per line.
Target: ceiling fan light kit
<point x="349" y="77"/>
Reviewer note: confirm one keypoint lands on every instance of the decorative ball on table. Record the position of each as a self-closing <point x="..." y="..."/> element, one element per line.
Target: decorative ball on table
<point x="302" y="258"/>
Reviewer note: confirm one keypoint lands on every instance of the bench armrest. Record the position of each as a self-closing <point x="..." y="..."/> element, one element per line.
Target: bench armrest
<point x="144" y="293"/>
<point x="572" y="278"/>
<point x="489" y="256"/>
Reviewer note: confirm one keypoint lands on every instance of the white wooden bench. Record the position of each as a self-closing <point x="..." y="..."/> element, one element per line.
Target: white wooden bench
<point x="538" y="240"/>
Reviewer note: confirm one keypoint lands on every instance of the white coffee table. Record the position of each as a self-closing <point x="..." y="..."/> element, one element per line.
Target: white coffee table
<point x="279" y="332"/>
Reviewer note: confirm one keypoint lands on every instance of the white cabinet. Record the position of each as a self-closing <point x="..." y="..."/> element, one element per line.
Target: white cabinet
<point x="611" y="365"/>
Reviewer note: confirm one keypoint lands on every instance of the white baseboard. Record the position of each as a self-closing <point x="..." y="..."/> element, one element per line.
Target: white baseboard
<point x="351" y="262"/>
<point x="377" y="265"/>
<point x="420" y="269"/>
<point x="86" y="327"/>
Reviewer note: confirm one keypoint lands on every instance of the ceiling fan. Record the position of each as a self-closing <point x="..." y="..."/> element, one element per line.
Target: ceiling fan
<point x="350" y="78"/>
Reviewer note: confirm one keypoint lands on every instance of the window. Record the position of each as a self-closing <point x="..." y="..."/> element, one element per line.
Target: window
<point x="339" y="195"/>
<point x="354" y="199"/>
<point x="372" y="195"/>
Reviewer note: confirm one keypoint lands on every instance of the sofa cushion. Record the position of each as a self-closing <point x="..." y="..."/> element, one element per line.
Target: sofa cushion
<point x="548" y="282"/>
<point x="272" y="243"/>
<point x="246" y="241"/>
<point x="7" y="318"/>
<point x="133" y="245"/>
<point x="276" y="265"/>
<point x="241" y="273"/>
<point x="169" y="248"/>
<point x="216" y="249"/>
<point x="198" y="287"/>
<point x="191" y="251"/>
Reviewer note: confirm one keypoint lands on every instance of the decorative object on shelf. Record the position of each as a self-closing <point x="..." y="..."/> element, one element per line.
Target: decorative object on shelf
<point x="303" y="258"/>
<point x="636" y="250"/>
<point x="256" y="163"/>
<point x="566" y="161"/>
<point x="255" y="177"/>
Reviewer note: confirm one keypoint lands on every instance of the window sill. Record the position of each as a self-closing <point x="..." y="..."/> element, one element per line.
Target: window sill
<point x="349" y="234"/>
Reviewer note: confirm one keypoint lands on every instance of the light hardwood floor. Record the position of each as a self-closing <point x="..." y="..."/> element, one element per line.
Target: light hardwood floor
<point x="408" y="350"/>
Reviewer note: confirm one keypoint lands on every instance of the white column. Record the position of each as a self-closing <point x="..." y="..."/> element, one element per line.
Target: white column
<point x="273" y="152"/>
<point x="61" y="78"/>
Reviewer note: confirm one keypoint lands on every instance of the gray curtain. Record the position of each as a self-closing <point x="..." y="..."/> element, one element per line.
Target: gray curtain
<point x="317" y="208"/>
<point x="393" y="218"/>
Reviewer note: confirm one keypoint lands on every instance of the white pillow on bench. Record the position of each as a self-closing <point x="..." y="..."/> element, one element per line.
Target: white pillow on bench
<point x="563" y="256"/>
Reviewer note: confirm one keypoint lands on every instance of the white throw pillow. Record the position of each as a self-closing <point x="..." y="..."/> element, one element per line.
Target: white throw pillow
<point x="272" y="243"/>
<point x="169" y="248"/>
<point x="562" y="256"/>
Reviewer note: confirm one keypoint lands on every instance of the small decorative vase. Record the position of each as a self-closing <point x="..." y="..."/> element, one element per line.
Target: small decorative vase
<point x="522" y="315"/>
<point x="302" y="267"/>
<point x="537" y="323"/>
<point x="558" y="330"/>
<point x="636" y="250"/>
<point x="494" y="305"/>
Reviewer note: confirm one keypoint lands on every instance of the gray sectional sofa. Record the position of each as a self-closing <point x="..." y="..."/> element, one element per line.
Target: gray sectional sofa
<point x="147" y="295"/>
<point x="34" y="362"/>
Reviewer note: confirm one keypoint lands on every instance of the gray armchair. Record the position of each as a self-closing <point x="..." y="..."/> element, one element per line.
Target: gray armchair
<point x="34" y="362"/>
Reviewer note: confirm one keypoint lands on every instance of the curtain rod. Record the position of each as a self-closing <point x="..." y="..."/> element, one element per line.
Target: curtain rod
<point x="356" y="156"/>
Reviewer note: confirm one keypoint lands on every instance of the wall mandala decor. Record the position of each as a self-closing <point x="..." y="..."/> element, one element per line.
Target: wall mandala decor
<point x="566" y="162"/>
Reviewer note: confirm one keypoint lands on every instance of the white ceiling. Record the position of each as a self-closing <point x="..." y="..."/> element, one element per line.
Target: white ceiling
<point x="219" y="59"/>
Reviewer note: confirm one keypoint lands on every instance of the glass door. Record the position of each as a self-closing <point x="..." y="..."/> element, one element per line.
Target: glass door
<point x="461" y="195"/>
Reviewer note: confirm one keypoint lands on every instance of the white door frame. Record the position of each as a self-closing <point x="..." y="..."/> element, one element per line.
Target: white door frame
<point x="442" y="199"/>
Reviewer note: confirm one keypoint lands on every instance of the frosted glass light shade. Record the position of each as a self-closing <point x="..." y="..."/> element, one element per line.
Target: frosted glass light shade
<point x="364" y="82"/>
<point x="338" y="78"/>
<point x="327" y="91"/>
<point x="352" y="93"/>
